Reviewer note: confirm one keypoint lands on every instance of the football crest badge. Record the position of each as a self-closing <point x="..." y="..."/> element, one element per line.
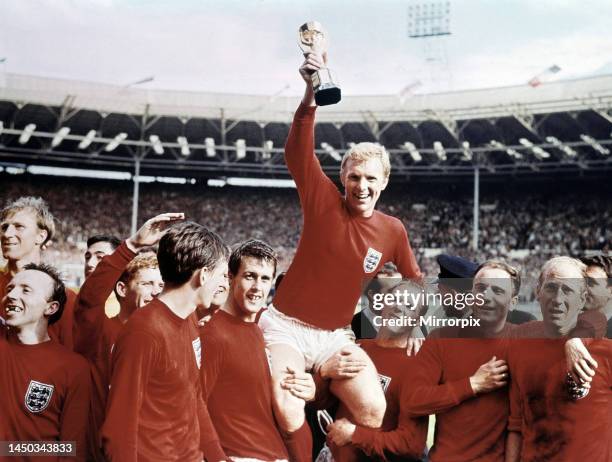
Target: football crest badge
<point x="371" y="260"/>
<point x="38" y="396"/>
<point x="385" y="381"/>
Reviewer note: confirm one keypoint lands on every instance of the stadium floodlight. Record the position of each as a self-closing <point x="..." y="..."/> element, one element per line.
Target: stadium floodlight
<point x="27" y="133"/>
<point x="467" y="152"/>
<point x="594" y="144"/>
<point x="267" y="152"/>
<point x="115" y="142"/>
<point x="182" y="141"/>
<point x="428" y="18"/>
<point x="240" y="148"/>
<point x="412" y="150"/>
<point x="209" y="143"/>
<point x="59" y="136"/>
<point x="157" y="146"/>
<point x="331" y="151"/>
<point x="502" y="147"/>
<point x="559" y="145"/>
<point x="439" y="150"/>
<point x="86" y="141"/>
<point x="536" y="150"/>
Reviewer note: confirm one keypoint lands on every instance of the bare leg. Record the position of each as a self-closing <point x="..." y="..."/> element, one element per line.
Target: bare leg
<point x="362" y="395"/>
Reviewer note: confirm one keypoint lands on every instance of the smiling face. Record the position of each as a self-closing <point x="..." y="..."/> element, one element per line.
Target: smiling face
<point x="249" y="288"/>
<point x="20" y="236"/>
<point x="494" y="285"/>
<point x="141" y="289"/>
<point x="363" y="182"/>
<point x="27" y="299"/>
<point x="562" y="295"/>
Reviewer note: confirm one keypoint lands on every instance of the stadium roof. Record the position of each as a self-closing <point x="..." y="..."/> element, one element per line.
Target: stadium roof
<point x="560" y="127"/>
<point x="580" y="94"/>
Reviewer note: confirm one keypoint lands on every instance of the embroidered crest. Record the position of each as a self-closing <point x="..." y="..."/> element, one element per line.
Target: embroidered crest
<point x="384" y="382"/>
<point x="38" y="396"/>
<point x="197" y="350"/>
<point x="371" y="260"/>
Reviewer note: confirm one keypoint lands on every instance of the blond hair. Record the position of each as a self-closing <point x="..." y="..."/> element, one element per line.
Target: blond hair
<point x="144" y="260"/>
<point x="362" y="152"/>
<point x="44" y="218"/>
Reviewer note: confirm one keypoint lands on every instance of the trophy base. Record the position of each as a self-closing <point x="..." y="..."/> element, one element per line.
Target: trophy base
<point x="324" y="96"/>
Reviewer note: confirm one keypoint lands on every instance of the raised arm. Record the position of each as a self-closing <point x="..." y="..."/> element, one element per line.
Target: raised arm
<point x="90" y="303"/>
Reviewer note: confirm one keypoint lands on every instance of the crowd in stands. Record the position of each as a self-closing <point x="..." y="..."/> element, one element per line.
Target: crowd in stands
<point x="544" y="224"/>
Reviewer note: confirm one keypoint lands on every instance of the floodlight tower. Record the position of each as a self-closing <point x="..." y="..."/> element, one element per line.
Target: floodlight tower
<point x="429" y="22"/>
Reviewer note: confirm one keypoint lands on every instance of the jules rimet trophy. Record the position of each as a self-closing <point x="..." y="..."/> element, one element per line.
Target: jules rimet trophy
<point x="312" y="39"/>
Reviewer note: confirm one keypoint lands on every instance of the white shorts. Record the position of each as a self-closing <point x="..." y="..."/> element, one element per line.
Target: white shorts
<point x="314" y="344"/>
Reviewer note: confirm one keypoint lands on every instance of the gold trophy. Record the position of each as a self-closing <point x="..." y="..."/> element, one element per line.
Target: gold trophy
<point x="312" y="39"/>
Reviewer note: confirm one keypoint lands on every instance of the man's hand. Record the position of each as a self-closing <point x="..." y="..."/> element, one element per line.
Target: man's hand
<point x="340" y="432"/>
<point x="342" y="365"/>
<point x="299" y="384"/>
<point x="312" y="63"/>
<point x="152" y="231"/>
<point x="490" y="376"/>
<point x="580" y="363"/>
<point x="414" y="345"/>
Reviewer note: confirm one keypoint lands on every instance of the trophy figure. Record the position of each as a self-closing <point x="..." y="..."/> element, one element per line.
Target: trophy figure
<point x="311" y="39"/>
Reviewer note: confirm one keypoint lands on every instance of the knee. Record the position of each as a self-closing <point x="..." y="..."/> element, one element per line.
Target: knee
<point x="372" y="411"/>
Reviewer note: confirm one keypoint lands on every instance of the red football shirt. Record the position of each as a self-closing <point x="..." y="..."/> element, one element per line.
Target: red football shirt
<point x="94" y="335"/>
<point x="155" y="405"/>
<point x="554" y="426"/>
<point x="402" y="436"/>
<point x="238" y="389"/>
<point x="44" y="395"/>
<point x="337" y="252"/>
<point x="468" y="427"/>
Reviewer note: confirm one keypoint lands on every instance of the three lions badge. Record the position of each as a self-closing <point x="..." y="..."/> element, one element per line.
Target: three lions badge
<point x="38" y="396"/>
<point x="371" y="260"/>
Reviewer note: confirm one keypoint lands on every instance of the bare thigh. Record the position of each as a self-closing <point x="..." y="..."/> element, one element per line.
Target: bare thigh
<point x="362" y="395"/>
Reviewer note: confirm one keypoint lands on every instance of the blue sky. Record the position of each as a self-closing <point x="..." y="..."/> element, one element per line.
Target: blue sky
<point x="250" y="46"/>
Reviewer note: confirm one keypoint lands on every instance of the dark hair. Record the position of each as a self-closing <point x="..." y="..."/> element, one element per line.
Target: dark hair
<point x="185" y="248"/>
<point x="114" y="241"/>
<point x="515" y="275"/>
<point x="59" y="290"/>
<point x="279" y="280"/>
<point x="251" y="248"/>
<point x="601" y="261"/>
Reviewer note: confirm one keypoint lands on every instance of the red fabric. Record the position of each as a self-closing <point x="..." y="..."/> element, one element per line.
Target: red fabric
<point x="155" y="400"/>
<point x="299" y="444"/>
<point x="468" y="427"/>
<point x="65" y="417"/>
<point x="555" y="427"/>
<point x="237" y="386"/>
<point x="324" y="281"/>
<point x="401" y="435"/>
<point x="94" y="335"/>
<point x="60" y="331"/>
<point x="590" y="324"/>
